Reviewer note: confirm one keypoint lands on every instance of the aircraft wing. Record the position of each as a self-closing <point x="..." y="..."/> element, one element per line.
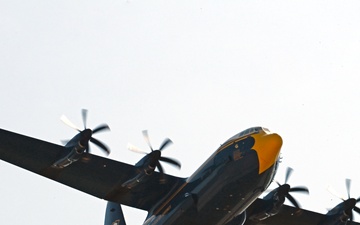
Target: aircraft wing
<point x="95" y="175"/>
<point x="289" y="215"/>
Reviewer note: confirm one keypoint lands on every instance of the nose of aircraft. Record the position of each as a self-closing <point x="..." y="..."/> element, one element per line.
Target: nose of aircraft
<point x="268" y="148"/>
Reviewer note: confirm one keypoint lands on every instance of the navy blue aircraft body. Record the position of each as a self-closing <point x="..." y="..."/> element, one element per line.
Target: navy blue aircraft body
<point x="224" y="190"/>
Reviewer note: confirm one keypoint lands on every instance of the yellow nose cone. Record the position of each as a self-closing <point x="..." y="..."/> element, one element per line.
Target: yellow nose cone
<point x="268" y="148"/>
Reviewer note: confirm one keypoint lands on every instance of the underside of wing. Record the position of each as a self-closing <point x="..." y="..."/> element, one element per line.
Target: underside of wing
<point x="97" y="176"/>
<point x="287" y="215"/>
<point x="352" y="223"/>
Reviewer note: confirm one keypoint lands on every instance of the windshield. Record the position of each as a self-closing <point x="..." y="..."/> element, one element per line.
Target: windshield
<point x="253" y="130"/>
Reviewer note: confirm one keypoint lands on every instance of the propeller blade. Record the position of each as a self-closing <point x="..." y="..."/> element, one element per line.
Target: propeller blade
<point x="100" y="144"/>
<point x="358" y="200"/>
<point x="165" y="143"/>
<point x="170" y="161"/>
<point x="133" y="148"/>
<point x="292" y="200"/>
<point x="155" y="155"/>
<point x="65" y="120"/>
<point x="357" y="209"/>
<point x="288" y="174"/>
<point x="299" y="189"/>
<point x="84" y="116"/>
<point x="348" y="185"/>
<point x="87" y="149"/>
<point x="147" y="139"/>
<point x="160" y="168"/>
<point x="101" y="128"/>
<point x="333" y="192"/>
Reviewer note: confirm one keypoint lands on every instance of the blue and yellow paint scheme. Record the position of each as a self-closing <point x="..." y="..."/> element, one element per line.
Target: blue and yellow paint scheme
<point x="222" y="191"/>
<point x="226" y="184"/>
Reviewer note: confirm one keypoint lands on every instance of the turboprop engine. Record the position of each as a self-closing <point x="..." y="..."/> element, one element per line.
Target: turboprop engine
<point x="79" y="144"/>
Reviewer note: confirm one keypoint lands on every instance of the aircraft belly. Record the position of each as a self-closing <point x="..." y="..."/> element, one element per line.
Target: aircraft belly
<point x="233" y="199"/>
<point x="222" y="195"/>
<point x="228" y="182"/>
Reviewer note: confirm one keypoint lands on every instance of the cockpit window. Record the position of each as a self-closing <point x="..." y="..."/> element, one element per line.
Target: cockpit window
<point x="266" y="130"/>
<point x="253" y="130"/>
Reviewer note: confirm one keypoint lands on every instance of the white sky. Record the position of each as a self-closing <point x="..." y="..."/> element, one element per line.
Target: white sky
<point x="197" y="72"/>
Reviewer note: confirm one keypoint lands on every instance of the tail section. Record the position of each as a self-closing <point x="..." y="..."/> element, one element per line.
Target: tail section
<point x="114" y="214"/>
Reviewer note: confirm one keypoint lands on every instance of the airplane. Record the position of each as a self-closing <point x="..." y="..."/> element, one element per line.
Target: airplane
<point x="224" y="190"/>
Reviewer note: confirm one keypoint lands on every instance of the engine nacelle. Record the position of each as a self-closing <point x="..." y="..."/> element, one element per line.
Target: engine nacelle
<point x="264" y="215"/>
<point x="74" y="155"/>
<point x="77" y="146"/>
<point x="345" y="216"/>
<point x="134" y="181"/>
<point x="146" y="169"/>
<point x="271" y="206"/>
<point x="148" y="162"/>
<point x="273" y="201"/>
<point x="143" y="174"/>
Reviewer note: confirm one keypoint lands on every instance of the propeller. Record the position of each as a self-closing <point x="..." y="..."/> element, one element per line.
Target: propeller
<point x="349" y="203"/>
<point x="154" y="157"/>
<point x="352" y="201"/>
<point x="88" y="132"/>
<point x="285" y="189"/>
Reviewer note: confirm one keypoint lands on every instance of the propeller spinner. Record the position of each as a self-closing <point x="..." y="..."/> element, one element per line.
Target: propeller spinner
<point x="285" y="189"/>
<point x="86" y="134"/>
<point x="154" y="158"/>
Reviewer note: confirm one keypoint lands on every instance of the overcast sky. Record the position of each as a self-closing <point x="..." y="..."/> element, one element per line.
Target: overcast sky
<point x="197" y="72"/>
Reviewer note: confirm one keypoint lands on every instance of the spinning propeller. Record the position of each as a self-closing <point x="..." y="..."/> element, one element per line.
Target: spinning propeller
<point x="154" y="157"/>
<point x="87" y="133"/>
<point x="285" y="189"/>
<point x="349" y="203"/>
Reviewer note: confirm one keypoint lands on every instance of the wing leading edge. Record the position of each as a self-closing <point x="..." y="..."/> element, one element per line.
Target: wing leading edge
<point x="95" y="175"/>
